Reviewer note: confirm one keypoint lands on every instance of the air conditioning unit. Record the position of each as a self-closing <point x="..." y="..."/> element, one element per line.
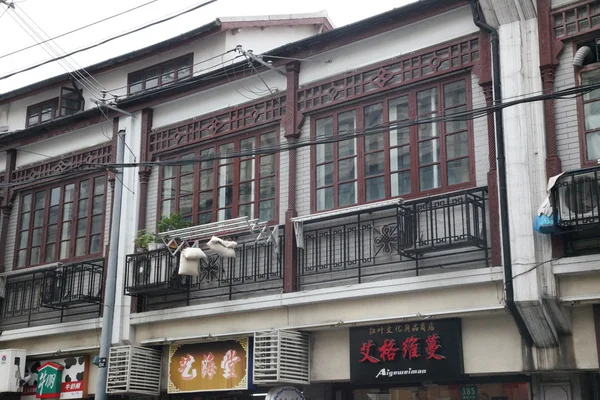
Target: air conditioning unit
<point x="281" y="357"/>
<point x="134" y="371"/>
<point x="12" y="370"/>
<point x="579" y="199"/>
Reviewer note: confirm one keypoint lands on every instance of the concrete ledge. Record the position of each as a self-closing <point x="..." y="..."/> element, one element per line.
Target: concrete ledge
<point x="576" y="265"/>
<point x="48" y="330"/>
<point x="419" y="283"/>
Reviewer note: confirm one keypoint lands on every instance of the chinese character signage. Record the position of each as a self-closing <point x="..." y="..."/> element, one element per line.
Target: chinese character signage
<point x="48" y="382"/>
<point x="208" y="367"/>
<point x="406" y="352"/>
<point x="73" y="379"/>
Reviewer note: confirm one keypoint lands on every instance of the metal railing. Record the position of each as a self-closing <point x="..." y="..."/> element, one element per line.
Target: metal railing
<point x="434" y="234"/>
<point x="257" y="269"/>
<point x="59" y="294"/>
<point x="576" y="196"/>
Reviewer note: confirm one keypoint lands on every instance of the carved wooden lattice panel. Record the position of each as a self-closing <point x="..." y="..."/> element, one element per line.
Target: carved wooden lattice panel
<point x="392" y="73"/>
<point x="32" y="173"/>
<point x="576" y="19"/>
<point x="234" y="119"/>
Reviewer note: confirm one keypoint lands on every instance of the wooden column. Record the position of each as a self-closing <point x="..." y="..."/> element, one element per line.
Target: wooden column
<point x="144" y="172"/>
<point x="6" y="205"/>
<point x="290" y="123"/>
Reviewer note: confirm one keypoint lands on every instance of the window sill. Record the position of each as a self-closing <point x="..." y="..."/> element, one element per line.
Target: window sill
<point x="48" y="330"/>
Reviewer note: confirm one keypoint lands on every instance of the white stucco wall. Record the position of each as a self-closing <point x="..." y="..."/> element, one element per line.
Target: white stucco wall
<point x="260" y="39"/>
<point x="448" y="26"/>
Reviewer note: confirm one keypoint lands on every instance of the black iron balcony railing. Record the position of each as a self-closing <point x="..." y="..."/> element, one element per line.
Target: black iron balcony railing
<point x="434" y="234"/>
<point x="59" y="294"/>
<point x="154" y="278"/>
<point x="576" y="196"/>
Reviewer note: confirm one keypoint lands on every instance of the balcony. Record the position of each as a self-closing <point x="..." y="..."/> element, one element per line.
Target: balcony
<point x="430" y="235"/>
<point x="257" y="269"/>
<point x="46" y="296"/>
<point x="576" y="196"/>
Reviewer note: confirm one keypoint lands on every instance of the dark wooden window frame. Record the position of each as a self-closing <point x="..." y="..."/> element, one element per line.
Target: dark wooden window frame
<point x="196" y="150"/>
<point x="59" y="104"/>
<point x="581" y="116"/>
<point x="360" y="106"/>
<point x="188" y="59"/>
<point x="47" y="189"/>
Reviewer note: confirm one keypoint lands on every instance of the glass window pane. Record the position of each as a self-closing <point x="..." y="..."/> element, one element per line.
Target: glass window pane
<point x="81" y="227"/>
<point x="592" y="115"/>
<point x="268" y="139"/>
<point x="21" y="258"/>
<point x="185" y="205"/>
<point x="51" y="234"/>
<point x="324" y="175"/>
<point x="267" y="165"/>
<point x="99" y="185"/>
<point x="224" y="214"/>
<point x="33" y="120"/>
<point x="429" y="151"/>
<point x="206" y="179"/>
<point x="427" y="101"/>
<point x="267" y="188"/>
<point x="54" y="196"/>
<point x="346" y="123"/>
<point x="347" y="194"/>
<point x="375" y="188"/>
<point x="24" y="237"/>
<point x="398" y="111"/>
<point x="36" y="237"/>
<point x="593" y="146"/>
<point x="39" y="199"/>
<point x="97" y="224"/>
<point x="35" y="256"/>
<point x="325" y="199"/>
<point x="458" y="171"/>
<point x="374" y="163"/>
<point x="69" y="193"/>
<point x="347" y="148"/>
<point x="455" y="94"/>
<point x="205" y="218"/>
<point x="246" y="192"/>
<point x="83" y="208"/>
<point x="207" y="157"/>
<point x="186" y="185"/>
<point x="168" y="76"/>
<point x="64" y="250"/>
<point x="225" y="196"/>
<point x="98" y="204"/>
<point x="266" y="211"/>
<point x="168" y="207"/>
<point x="26" y="202"/>
<point x="168" y="172"/>
<point x="400" y="183"/>
<point x="46" y="115"/>
<point x="225" y="150"/>
<point x="134" y="88"/>
<point x="400" y="158"/>
<point x="247" y="169"/>
<point x="591" y="78"/>
<point x="205" y="202"/>
<point x="246" y="210"/>
<point x="429" y="177"/>
<point x="346" y="169"/>
<point x="80" y="247"/>
<point x="427" y="131"/>
<point x="152" y="82"/>
<point x="247" y="145"/>
<point x="373" y="118"/>
<point x="187" y="168"/>
<point x="84" y="189"/>
<point x="49" y="253"/>
<point x="457" y="145"/>
<point x="324" y="127"/>
<point x="184" y="73"/>
<point x="226" y="175"/>
<point x="324" y="152"/>
<point x="455" y="126"/>
<point x="65" y="232"/>
<point x="25" y="220"/>
<point x="95" y="244"/>
<point x="37" y="218"/>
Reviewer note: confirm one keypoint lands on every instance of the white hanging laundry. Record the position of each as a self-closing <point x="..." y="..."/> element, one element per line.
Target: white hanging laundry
<point x="189" y="261"/>
<point x="223" y="248"/>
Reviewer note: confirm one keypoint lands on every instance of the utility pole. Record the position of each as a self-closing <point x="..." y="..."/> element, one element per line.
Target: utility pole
<point x="111" y="274"/>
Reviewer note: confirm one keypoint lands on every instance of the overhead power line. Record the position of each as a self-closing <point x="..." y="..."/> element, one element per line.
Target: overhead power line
<point x="312" y="141"/>
<point x="108" y="40"/>
<point x="77" y="29"/>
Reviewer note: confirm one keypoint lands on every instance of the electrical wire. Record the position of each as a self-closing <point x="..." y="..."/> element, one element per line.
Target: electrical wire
<point x="77" y="29"/>
<point x="340" y="136"/>
<point x="107" y="40"/>
<point x="4" y="12"/>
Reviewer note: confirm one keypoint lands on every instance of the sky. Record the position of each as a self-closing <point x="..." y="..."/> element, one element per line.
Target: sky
<point x="59" y="16"/>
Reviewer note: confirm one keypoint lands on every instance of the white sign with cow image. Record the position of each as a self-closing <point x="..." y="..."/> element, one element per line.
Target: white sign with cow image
<point x="74" y="377"/>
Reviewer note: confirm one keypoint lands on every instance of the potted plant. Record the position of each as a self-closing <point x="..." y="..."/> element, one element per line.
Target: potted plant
<point x="144" y="240"/>
<point x="170" y="223"/>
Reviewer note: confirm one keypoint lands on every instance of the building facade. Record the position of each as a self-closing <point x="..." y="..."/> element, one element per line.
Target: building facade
<point x="358" y="171"/>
